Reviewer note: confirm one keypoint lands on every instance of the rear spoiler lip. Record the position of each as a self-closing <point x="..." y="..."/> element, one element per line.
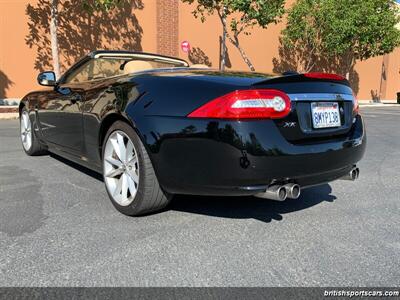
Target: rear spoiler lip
<point x="321" y="97"/>
<point x="297" y="78"/>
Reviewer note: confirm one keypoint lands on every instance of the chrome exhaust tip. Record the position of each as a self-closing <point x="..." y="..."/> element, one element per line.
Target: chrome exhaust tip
<point x="274" y="192"/>
<point x="352" y="175"/>
<point x="293" y="190"/>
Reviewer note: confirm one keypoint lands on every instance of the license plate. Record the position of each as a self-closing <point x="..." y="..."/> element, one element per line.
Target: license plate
<point x="325" y="114"/>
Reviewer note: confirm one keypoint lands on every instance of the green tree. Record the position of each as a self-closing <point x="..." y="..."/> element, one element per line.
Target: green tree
<point x="97" y="5"/>
<point x="241" y="15"/>
<point x="340" y="32"/>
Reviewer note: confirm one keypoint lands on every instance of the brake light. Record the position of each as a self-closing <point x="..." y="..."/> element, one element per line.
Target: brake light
<point x="324" y="76"/>
<point x="356" y="106"/>
<point x="246" y="104"/>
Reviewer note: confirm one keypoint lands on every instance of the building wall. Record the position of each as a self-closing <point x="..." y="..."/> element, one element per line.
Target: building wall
<point x="146" y="25"/>
<point x="17" y="74"/>
<point x="262" y="47"/>
<point x="25" y="44"/>
<point x="167" y="27"/>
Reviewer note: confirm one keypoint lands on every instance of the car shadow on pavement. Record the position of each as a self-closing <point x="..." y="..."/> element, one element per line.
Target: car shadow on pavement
<point x="77" y="167"/>
<point x="251" y="207"/>
<point x="234" y="207"/>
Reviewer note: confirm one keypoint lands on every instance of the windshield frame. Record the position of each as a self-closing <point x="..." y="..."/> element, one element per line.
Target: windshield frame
<point x="175" y="62"/>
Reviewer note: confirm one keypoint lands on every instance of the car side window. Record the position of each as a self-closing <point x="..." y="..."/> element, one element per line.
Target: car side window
<point x="96" y="69"/>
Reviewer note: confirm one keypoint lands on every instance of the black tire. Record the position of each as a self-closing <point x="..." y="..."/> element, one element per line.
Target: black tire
<point x="36" y="148"/>
<point x="149" y="197"/>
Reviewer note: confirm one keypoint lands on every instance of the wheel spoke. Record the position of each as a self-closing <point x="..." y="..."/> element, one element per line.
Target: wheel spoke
<point x="114" y="162"/>
<point x="113" y="173"/>
<point x="134" y="176"/>
<point x="25" y="120"/>
<point x="118" y="188"/>
<point x="116" y="149"/>
<point x="133" y="161"/>
<point x="124" y="187"/>
<point x="129" y="151"/>
<point x="29" y="140"/>
<point x="132" y="186"/>
<point x="122" y="147"/>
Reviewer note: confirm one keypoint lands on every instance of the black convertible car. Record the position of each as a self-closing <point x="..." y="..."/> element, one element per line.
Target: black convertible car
<point x="155" y="126"/>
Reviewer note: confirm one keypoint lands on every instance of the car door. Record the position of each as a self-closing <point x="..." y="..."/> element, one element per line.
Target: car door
<point x="61" y="117"/>
<point x="60" y="114"/>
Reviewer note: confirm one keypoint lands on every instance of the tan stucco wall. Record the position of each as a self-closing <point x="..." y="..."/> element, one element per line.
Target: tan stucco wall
<point x="18" y="70"/>
<point x="262" y="47"/>
<point x="17" y="59"/>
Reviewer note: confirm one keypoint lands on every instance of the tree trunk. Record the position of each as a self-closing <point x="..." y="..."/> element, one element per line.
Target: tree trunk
<point x="235" y="42"/>
<point x="223" y="40"/>
<point x="245" y="58"/>
<point x="53" y="37"/>
<point x="350" y="61"/>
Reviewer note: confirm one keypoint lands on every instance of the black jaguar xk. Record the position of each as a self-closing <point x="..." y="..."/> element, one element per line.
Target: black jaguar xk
<point x="155" y="126"/>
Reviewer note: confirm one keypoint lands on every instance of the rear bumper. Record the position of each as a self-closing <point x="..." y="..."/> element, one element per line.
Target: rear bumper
<point x="243" y="158"/>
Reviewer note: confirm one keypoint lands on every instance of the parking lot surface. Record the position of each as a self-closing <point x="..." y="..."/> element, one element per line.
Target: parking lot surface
<point x="58" y="227"/>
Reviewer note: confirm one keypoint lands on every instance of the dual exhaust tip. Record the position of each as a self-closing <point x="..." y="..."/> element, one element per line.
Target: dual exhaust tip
<point x="292" y="191"/>
<point x="281" y="192"/>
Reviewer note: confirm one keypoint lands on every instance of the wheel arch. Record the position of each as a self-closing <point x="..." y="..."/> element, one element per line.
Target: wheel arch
<point x="105" y="124"/>
<point x="108" y="121"/>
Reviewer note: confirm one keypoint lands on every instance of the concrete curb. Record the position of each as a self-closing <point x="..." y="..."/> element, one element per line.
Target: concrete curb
<point x="9" y="116"/>
<point x="8" y="109"/>
<point x="8" y="112"/>
<point x="379" y="105"/>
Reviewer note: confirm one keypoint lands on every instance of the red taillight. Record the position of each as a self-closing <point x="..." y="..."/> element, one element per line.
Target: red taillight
<point x="324" y="76"/>
<point x="246" y="104"/>
<point x="356" y="106"/>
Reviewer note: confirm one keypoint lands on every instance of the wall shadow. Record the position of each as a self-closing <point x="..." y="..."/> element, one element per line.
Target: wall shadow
<point x="374" y="95"/>
<point x="198" y="56"/>
<point x="80" y="32"/>
<point x="251" y="207"/>
<point x="228" y="63"/>
<point x="294" y="59"/>
<point x="5" y="84"/>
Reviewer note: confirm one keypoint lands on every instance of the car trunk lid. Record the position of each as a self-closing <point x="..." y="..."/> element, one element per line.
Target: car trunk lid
<point x="310" y="97"/>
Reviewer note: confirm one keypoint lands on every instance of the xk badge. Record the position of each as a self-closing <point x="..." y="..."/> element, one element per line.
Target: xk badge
<point x="289" y="124"/>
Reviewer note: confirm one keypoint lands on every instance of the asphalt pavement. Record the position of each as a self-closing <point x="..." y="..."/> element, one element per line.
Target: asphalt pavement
<point x="58" y="227"/>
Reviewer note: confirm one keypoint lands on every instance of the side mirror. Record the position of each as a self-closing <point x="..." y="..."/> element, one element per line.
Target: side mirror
<point x="47" y="78"/>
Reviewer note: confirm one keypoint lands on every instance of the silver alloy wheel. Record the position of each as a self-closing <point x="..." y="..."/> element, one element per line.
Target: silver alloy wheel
<point x="121" y="168"/>
<point x="26" y="131"/>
